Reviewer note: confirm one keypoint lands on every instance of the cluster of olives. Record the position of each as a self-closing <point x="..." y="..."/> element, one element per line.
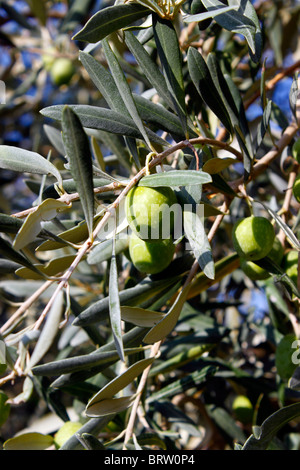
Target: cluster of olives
<point x="147" y="209"/>
<point x="61" y="69"/>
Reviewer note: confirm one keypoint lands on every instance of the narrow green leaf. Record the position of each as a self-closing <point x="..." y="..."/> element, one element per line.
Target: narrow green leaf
<point x="69" y="186"/>
<point x="114" y="303"/>
<point x="77" y="363"/>
<point x="49" y="331"/>
<point x="175" y="178"/>
<point x="78" y="151"/>
<point x="184" y="383"/>
<point x="205" y="86"/>
<point x="104" y="119"/>
<point x="25" y="161"/>
<point x="55" y="138"/>
<point x="110" y="19"/>
<point x="124" y="89"/>
<point x="110" y="405"/>
<point x="149" y="68"/>
<point x="32" y="226"/>
<point x="195" y="233"/>
<point x="168" y="323"/>
<point x="7" y="251"/>
<point x="92" y="426"/>
<point x="9" y="224"/>
<point x="216" y="165"/>
<point x="283" y="226"/>
<point x="242" y="21"/>
<point x="29" y="441"/>
<point x="104" y="81"/>
<point x="294" y="97"/>
<point x="160" y="117"/>
<point x="74" y="235"/>
<point x="234" y="105"/>
<point x="170" y="56"/>
<point x="263" y="127"/>
<point x="119" y="383"/>
<point x="270" y="427"/>
<point x="180" y="359"/>
<point x="207" y="14"/>
<point x="131" y="339"/>
<point x="52" y="268"/>
<point x="140" y="316"/>
<point x="90" y="442"/>
<point x="133" y="296"/>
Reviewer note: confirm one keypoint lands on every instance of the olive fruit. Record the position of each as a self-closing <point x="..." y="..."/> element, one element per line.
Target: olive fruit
<point x="243" y="409"/>
<point x="283" y="357"/>
<point x="149" y="212"/>
<point x="148" y="257"/>
<point x="296" y="188"/>
<point x="62" y="71"/>
<point x="255" y="272"/>
<point x="253" y="237"/>
<point x="296" y="150"/>
<point x="65" y="432"/>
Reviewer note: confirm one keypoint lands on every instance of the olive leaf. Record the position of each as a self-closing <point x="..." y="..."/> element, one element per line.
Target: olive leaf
<point x="133" y="296"/>
<point x="243" y="21"/>
<point x="195" y="233"/>
<point x="97" y="404"/>
<point x="114" y="301"/>
<point x="7" y="251"/>
<point x="94" y="117"/>
<point x="110" y="19"/>
<point x="169" y="321"/>
<point x="205" y="86"/>
<point x="49" y="330"/>
<point x="79" y="154"/>
<point x="262" y="435"/>
<point x="78" y="363"/>
<point x="29" y="441"/>
<point x="25" y="161"/>
<point x="208" y="14"/>
<point x="52" y="268"/>
<point x="140" y="316"/>
<point x="175" y="178"/>
<point x="32" y="226"/>
<point x="170" y="56"/>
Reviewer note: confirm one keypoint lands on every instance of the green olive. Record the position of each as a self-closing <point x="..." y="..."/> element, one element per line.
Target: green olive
<point x="255" y="272"/>
<point x="149" y="212"/>
<point x="148" y="257"/>
<point x="62" y="71"/>
<point x="65" y="432"/>
<point x="296" y="150"/>
<point x="296" y="188"/>
<point x="243" y="409"/>
<point x="253" y="237"/>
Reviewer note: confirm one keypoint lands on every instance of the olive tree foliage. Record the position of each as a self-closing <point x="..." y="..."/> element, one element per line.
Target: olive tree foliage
<point x="163" y="99"/>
